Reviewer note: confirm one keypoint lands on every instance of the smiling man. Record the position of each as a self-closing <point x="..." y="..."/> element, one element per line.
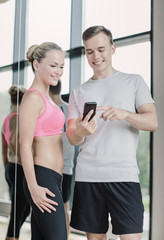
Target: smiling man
<point x="106" y="172"/>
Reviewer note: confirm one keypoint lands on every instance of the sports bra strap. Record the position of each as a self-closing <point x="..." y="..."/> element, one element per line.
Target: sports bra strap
<point x="33" y="89"/>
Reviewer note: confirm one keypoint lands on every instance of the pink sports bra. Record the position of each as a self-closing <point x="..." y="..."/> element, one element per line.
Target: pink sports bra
<point x="51" y="121"/>
<point x="7" y="130"/>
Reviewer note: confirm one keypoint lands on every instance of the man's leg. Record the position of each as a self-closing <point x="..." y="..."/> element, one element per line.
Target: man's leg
<point x="94" y="236"/>
<point x="135" y="236"/>
<point x="66" y="208"/>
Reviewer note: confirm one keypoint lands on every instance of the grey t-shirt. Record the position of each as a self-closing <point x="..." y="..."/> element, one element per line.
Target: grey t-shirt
<point x="109" y="155"/>
<point x="68" y="149"/>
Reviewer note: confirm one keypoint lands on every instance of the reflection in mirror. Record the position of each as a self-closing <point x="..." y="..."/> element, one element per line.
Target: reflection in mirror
<point x="14" y="53"/>
<point x="20" y="208"/>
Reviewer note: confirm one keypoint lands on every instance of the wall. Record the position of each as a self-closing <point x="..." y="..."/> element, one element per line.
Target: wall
<point x="158" y="149"/>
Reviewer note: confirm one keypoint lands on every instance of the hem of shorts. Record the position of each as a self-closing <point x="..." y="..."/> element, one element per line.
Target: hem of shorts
<point x="85" y="229"/>
<point x="127" y="232"/>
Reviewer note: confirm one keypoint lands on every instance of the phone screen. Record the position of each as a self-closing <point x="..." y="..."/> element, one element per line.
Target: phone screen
<point x="87" y="107"/>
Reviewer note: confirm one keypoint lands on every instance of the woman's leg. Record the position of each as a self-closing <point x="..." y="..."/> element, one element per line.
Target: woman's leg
<point x="49" y="225"/>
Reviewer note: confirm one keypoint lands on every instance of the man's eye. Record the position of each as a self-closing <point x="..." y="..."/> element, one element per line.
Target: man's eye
<point x="89" y="53"/>
<point x="53" y="65"/>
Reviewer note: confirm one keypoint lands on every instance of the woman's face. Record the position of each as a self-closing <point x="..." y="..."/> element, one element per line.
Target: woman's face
<point x="50" y="69"/>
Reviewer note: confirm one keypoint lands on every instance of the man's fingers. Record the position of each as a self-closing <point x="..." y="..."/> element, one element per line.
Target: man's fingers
<point x="87" y="117"/>
<point x="103" y="108"/>
<point x="79" y="119"/>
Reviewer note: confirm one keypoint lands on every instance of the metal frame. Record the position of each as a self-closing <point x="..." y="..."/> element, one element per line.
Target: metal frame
<point x="19" y="42"/>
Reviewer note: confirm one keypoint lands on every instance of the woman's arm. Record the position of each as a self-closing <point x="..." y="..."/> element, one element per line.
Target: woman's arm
<point x="31" y="107"/>
<point x="4" y="148"/>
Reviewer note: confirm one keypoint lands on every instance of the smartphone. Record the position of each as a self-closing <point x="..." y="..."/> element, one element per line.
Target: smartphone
<point x="87" y="107"/>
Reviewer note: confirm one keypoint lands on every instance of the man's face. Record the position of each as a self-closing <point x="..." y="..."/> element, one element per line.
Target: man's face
<point x="99" y="53"/>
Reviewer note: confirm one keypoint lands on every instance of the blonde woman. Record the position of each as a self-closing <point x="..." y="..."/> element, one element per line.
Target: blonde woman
<point x="41" y="123"/>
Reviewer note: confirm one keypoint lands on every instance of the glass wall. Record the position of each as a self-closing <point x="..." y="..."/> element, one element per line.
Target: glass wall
<point x="7" y="14"/>
<point x="49" y="21"/>
<point x="122" y="17"/>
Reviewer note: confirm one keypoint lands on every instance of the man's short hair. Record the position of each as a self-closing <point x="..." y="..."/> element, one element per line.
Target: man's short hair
<point x="94" y="30"/>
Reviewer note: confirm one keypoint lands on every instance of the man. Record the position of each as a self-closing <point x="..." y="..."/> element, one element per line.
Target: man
<point x="107" y="172"/>
<point x="68" y="152"/>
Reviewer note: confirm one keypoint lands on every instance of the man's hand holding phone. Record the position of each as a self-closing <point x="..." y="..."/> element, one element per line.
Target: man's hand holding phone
<point x="84" y="125"/>
<point x="88" y="106"/>
<point x="87" y="123"/>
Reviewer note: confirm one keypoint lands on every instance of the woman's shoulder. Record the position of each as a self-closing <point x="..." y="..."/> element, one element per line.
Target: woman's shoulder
<point x="31" y="96"/>
<point x="31" y="101"/>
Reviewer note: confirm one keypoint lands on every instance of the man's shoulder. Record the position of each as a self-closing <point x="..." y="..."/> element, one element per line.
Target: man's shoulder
<point x="81" y="86"/>
<point x="129" y="75"/>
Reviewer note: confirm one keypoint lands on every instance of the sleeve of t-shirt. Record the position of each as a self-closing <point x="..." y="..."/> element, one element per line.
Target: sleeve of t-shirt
<point x="73" y="108"/>
<point x="143" y="94"/>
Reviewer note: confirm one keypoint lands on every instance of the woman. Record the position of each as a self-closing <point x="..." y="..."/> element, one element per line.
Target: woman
<point x="13" y="168"/>
<point x="41" y="123"/>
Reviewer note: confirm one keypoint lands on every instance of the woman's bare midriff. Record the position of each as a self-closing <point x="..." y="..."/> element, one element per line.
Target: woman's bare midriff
<point x="48" y="152"/>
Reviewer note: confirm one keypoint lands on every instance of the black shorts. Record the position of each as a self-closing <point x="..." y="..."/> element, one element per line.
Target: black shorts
<point x="66" y="187"/>
<point x="94" y="201"/>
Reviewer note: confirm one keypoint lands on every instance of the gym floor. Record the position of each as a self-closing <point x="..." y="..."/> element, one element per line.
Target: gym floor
<point x="25" y="231"/>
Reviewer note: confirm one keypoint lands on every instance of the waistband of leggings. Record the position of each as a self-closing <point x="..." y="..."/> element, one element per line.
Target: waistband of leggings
<point x="14" y="165"/>
<point x="48" y="171"/>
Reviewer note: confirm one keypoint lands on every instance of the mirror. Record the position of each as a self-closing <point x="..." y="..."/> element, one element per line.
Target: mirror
<point x="13" y="70"/>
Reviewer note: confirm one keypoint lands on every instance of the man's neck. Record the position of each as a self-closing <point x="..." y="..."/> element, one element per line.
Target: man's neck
<point x="104" y="74"/>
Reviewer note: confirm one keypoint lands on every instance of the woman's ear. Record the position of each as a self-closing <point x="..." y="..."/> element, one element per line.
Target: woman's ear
<point x="35" y="64"/>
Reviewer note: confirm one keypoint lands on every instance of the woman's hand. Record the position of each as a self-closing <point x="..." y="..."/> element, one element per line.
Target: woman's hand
<point x="39" y="197"/>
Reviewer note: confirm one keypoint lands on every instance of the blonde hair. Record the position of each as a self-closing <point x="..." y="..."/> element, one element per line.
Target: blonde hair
<point x="38" y="52"/>
<point x="16" y="91"/>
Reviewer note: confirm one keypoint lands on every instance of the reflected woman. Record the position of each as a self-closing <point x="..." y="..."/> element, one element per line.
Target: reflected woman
<point x="41" y="123"/>
<point x="13" y="168"/>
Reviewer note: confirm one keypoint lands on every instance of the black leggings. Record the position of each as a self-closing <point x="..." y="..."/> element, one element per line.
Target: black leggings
<point x="48" y="226"/>
<point x="21" y="209"/>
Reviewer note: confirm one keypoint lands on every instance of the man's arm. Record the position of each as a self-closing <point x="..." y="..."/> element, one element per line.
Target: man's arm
<point x="145" y="118"/>
<point x="77" y="129"/>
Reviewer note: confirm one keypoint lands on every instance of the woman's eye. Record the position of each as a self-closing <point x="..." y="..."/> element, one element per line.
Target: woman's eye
<point x="53" y="65"/>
